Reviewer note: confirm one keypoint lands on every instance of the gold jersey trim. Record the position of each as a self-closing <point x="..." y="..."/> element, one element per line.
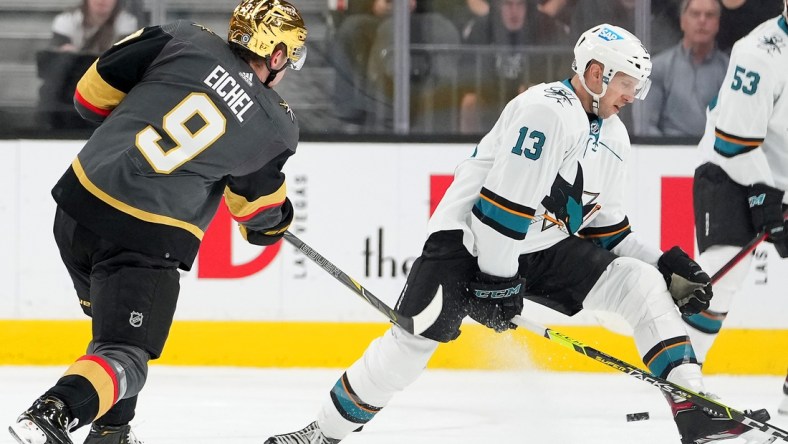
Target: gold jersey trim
<point x="96" y="91"/>
<point x="241" y="208"/>
<point x="128" y="209"/>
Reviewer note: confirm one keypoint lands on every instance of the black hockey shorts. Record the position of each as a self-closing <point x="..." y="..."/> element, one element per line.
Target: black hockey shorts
<point x="130" y="296"/>
<point x="559" y="277"/>
<point x="722" y="214"/>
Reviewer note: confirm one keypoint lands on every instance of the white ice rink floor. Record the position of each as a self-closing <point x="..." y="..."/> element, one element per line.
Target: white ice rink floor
<point x="232" y="405"/>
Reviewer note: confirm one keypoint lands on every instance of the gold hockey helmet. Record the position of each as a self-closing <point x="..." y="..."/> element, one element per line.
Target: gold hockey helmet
<point x="260" y="25"/>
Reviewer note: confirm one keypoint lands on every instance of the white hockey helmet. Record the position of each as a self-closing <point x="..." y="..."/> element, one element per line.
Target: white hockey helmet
<point x="619" y="51"/>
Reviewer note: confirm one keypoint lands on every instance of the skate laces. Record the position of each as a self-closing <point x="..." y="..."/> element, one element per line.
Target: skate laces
<point x="310" y="434"/>
<point x="53" y="410"/>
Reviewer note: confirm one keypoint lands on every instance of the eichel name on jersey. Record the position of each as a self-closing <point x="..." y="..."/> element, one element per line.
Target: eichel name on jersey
<point x="179" y="130"/>
<point x="236" y="98"/>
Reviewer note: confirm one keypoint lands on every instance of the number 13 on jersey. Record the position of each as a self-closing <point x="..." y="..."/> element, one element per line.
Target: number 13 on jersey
<point x="529" y="144"/>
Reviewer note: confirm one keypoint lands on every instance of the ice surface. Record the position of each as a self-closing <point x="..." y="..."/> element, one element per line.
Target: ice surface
<point x="241" y="405"/>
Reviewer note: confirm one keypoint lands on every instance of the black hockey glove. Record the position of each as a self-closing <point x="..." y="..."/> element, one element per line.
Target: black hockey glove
<point x="766" y="210"/>
<point x="689" y="285"/>
<point x="272" y="235"/>
<point x="778" y="236"/>
<point x="494" y="301"/>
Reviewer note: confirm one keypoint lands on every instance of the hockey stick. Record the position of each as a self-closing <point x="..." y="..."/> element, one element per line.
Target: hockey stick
<point x="416" y="324"/>
<point x="666" y="386"/>
<point x="745" y="250"/>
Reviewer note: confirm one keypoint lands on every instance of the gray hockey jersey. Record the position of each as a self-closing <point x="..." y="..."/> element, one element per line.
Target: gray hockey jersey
<point x="185" y="121"/>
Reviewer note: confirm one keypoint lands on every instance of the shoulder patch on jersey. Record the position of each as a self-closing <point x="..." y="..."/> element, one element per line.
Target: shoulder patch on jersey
<point x="288" y="110"/>
<point x="772" y="44"/>
<point x="560" y="94"/>
<point x="203" y="28"/>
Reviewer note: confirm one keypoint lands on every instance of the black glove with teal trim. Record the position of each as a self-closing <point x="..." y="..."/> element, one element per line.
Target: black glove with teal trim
<point x="494" y="301"/>
<point x="766" y="210"/>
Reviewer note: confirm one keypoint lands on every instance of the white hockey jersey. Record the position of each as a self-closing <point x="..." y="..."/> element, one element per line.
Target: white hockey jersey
<point x="747" y="127"/>
<point x="543" y="157"/>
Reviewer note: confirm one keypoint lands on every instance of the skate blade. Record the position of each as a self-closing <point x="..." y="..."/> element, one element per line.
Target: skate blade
<point x="25" y="432"/>
<point x="757" y="437"/>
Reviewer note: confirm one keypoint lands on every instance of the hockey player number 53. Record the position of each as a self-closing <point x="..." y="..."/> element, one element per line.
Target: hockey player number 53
<point x="187" y="143"/>
<point x="746" y="81"/>
<point x="533" y="149"/>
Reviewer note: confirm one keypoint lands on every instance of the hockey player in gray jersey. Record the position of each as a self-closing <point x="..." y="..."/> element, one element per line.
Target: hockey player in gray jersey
<point x="188" y="118"/>
<point x="537" y="212"/>
<point x="740" y="190"/>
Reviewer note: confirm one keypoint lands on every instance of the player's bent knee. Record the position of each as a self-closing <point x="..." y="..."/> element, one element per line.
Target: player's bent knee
<point x="641" y="293"/>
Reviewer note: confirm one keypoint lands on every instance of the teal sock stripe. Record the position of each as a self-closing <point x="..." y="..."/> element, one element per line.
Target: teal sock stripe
<point x="668" y="355"/>
<point x="710" y="323"/>
<point x="348" y="403"/>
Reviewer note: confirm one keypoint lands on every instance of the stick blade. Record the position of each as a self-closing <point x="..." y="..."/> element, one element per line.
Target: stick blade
<point x="427" y="317"/>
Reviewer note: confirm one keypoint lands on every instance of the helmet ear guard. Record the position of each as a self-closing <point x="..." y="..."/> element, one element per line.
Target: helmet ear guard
<point x="617" y="50"/>
<point x="261" y="25"/>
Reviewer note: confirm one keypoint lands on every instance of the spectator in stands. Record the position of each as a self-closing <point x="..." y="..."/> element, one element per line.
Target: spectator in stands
<point x="589" y="13"/>
<point x="350" y="55"/>
<point x="664" y="17"/>
<point x="79" y="35"/>
<point x="688" y="76"/>
<point x="739" y="17"/>
<point x="433" y="73"/>
<point x="462" y="13"/>
<point x="560" y="11"/>
<point x="92" y="27"/>
<point x="511" y="23"/>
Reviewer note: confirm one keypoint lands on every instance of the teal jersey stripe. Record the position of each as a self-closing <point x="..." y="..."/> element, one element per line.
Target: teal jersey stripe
<point x="729" y="149"/>
<point x="669" y="358"/>
<point x="511" y="221"/>
<point x="609" y="242"/>
<point x="713" y="103"/>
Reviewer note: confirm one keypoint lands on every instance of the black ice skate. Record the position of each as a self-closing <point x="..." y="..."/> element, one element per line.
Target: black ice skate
<point x="45" y="422"/>
<point x="108" y="434"/>
<point x="310" y="434"/>
<point x="697" y="426"/>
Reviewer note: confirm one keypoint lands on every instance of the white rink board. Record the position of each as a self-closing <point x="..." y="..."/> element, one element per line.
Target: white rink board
<point x="345" y="195"/>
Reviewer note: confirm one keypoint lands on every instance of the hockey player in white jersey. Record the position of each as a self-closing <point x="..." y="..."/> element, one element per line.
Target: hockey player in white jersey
<point x="740" y="189"/>
<point x="537" y="212"/>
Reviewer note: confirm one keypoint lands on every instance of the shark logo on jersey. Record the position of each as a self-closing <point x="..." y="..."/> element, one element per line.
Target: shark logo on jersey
<point x="560" y="95"/>
<point x="566" y="203"/>
<point x="772" y="44"/>
<point x="288" y="110"/>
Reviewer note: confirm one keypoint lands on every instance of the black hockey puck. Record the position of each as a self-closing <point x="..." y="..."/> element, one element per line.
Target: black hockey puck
<point x="642" y="416"/>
